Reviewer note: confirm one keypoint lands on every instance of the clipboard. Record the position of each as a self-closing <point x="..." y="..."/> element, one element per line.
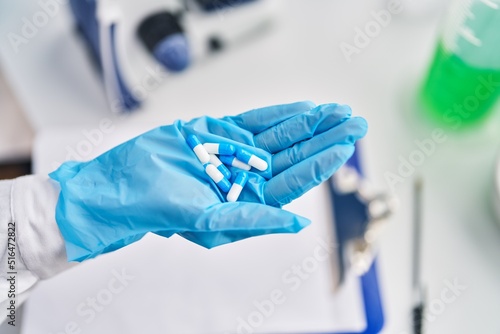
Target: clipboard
<point x="351" y="222"/>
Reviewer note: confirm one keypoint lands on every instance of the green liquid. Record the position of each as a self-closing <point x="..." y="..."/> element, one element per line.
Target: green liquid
<point x="456" y="94"/>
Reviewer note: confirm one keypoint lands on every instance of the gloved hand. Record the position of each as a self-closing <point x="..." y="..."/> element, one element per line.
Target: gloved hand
<point x="155" y="183"/>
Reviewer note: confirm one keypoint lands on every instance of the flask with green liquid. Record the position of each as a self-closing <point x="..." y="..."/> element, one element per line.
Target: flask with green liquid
<point x="463" y="82"/>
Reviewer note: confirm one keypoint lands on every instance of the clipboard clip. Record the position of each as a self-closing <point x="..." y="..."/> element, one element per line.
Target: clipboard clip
<point x="361" y="213"/>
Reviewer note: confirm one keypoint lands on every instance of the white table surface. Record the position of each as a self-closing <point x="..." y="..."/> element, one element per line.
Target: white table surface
<point x="300" y="59"/>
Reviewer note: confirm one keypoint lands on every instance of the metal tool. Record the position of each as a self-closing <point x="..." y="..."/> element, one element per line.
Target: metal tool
<point x="418" y="289"/>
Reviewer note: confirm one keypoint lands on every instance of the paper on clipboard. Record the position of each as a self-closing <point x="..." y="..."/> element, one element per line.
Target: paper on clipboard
<point x="272" y="284"/>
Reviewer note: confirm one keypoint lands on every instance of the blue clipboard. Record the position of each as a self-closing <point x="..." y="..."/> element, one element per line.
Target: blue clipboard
<point x="351" y="221"/>
<point x="372" y="302"/>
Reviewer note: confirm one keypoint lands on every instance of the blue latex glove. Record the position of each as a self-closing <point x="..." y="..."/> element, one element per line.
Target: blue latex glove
<point x="155" y="183"/>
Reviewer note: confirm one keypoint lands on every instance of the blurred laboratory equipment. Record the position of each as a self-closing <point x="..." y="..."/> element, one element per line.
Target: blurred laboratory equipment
<point x="127" y="38"/>
<point x="421" y="8"/>
<point x="16" y="134"/>
<point x="463" y="82"/>
<point x="496" y="190"/>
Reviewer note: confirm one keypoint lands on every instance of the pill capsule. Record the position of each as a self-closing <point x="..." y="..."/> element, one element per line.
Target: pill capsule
<point x="251" y="159"/>
<point x="215" y="148"/>
<point x="198" y="149"/>
<point x="239" y="182"/>
<point x="220" y="166"/>
<point x="217" y="177"/>
<point x="232" y="161"/>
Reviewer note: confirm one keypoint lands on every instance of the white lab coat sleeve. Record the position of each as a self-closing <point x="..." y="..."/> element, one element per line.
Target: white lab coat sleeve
<point x="28" y="203"/>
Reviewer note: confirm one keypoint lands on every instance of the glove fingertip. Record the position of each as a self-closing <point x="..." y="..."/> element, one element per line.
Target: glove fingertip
<point x="308" y="104"/>
<point x="301" y="222"/>
<point x="344" y="153"/>
<point x="345" y="108"/>
<point x="361" y="123"/>
<point x="338" y="109"/>
<point x="357" y="128"/>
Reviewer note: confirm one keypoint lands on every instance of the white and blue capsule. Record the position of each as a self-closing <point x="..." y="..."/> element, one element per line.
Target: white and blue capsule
<point x="251" y="159"/>
<point x="218" y="178"/>
<point x="220" y="166"/>
<point x="198" y="149"/>
<point x="231" y="160"/>
<point x="221" y="149"/>
<point x="239" y="182"/>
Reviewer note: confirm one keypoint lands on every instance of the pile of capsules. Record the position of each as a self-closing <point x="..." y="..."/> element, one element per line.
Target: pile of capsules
<point x="215" y="157"/>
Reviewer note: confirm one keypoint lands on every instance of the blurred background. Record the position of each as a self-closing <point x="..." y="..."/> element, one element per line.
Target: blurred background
<point x="425" y="75"/>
